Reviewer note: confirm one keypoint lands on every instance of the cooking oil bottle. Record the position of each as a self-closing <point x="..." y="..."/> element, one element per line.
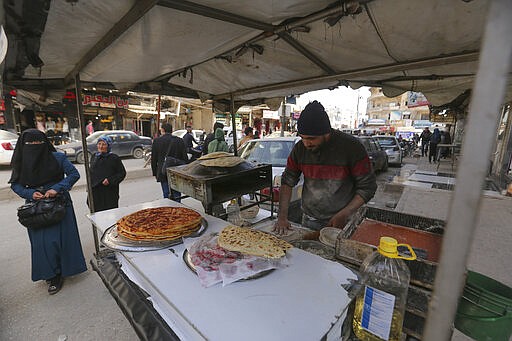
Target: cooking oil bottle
<point x="380" y="306"/>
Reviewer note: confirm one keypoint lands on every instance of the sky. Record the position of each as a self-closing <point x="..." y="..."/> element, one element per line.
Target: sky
<point x="342" y="97"/>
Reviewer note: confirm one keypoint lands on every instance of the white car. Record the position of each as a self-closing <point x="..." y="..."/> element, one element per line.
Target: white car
<point x="228" y="136"/>
<point x="277" y="133"/>
<point x="196" y="133"/>
<point x="392" y="147"/>
<point x="7" y="144"/>
<point x="275" y="151"/>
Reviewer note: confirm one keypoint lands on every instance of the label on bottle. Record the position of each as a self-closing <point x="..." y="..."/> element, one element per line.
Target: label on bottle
<point x="377" y="312"/>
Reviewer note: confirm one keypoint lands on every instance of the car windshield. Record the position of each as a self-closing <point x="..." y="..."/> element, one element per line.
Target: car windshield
<point x="7" y="135"/>
<point x="269" y="152"/>
<point x="387" y="141"/>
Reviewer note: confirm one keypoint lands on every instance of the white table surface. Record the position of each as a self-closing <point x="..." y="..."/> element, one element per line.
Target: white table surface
<point x="300" y="302"/>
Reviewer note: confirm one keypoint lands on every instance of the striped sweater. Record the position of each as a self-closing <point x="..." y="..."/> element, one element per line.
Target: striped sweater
<point x="332" y="175"/>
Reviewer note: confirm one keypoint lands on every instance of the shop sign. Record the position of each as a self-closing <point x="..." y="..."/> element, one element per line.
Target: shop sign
<point x="395" y="115"/>
<point x="416" y="99"/>
<point x="105" y="101"/>
<point x="271" y="114"/>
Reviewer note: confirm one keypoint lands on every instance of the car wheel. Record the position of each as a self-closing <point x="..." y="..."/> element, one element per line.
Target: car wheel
<point x="80" y="158"/>
<point x="138" y="153"/>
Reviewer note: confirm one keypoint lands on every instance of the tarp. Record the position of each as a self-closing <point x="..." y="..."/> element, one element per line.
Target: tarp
<point x="254" y="49"/>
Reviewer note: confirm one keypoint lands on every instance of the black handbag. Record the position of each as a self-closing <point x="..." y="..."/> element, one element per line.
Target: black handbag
<point x="171" y="161"/>
<point x="43" y="212"/>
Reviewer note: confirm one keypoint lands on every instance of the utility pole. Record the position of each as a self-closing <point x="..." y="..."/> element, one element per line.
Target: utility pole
<point x="357" y="110"/>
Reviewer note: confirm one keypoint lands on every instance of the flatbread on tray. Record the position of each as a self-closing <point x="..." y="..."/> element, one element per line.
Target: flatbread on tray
<point x="252" y="242"/>
<point x="230" y="161"/>
<point x="160" y="223"/>
<point x="215" y="155"/>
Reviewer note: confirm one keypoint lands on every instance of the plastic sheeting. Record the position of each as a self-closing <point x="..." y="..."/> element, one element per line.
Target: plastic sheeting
<point x="166" y="40"/>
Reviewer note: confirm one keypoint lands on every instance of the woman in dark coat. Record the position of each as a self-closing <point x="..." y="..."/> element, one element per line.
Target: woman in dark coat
<point x="38" y="171"/>
<point x="107" y="172"/>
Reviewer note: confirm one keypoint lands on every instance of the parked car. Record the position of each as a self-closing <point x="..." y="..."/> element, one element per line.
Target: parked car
<point x="377" y="155"/>
<point x="274" y="151"/>
<point x="277" y="133"/>
<point x="7" y="144"/>
<point x="392" y="147"/>
<point x="125" y="143"/>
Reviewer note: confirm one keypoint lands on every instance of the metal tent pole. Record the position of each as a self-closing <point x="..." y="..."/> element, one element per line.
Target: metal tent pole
<point x="483" y="118"/>
<point x="80" y="109"/>
<point x="233" y="125"/>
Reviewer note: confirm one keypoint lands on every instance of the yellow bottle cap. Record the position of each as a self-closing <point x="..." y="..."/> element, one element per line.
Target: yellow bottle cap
<point x="388" y="247"/>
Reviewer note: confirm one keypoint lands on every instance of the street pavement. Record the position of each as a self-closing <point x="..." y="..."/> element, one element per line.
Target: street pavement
<point x="84" y="309"/>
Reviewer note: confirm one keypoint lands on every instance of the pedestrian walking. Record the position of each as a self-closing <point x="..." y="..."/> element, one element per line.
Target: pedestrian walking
<point x="211" y="136"/>
<point x="89" y="128"/>
<point x="166" y="145"/>
<point x="107" y="172"/>
<point x="434" y="141"/>
<point x="249" y="135"/>
<point x="218" y="144"/>
<point x="425" y="140"/>
<point x="38" y="171"/>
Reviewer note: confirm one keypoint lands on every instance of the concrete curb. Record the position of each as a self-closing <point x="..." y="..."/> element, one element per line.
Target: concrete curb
<point x="7" y="194"/>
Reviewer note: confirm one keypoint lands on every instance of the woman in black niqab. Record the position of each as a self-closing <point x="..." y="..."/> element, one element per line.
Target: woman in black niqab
<point x="33" y="163"/>
<point x="38" y="171"/>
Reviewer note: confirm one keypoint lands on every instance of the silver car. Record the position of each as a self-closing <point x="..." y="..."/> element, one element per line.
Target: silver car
<point x="392" y="147"/>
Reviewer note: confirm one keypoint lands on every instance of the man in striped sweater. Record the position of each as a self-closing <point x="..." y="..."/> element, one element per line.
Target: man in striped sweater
<point x="338" y="176"/>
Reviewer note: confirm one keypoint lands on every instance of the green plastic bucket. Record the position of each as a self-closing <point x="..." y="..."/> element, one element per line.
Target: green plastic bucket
<point x="485" y="309"/>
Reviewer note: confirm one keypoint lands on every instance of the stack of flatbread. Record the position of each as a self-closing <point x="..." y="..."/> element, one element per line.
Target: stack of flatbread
<point x="160" y="223"/>
<point x="252" y="242"/>
<point x="220" y="159"/>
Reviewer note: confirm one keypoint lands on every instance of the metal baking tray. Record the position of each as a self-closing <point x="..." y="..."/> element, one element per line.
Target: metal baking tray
<point x="188" y="261"/>
<point x="113" y="241"/>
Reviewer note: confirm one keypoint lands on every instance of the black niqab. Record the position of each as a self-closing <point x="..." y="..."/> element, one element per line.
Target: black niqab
<point x="33" y="164"/>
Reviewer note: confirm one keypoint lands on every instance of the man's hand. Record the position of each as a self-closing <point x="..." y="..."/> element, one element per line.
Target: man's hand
<point x="37" y="195"/>
<point x="105" y="182"/>
<point x="50" y="193"/>
<point x="282" y="226"/>
<point x="339" y="219"/>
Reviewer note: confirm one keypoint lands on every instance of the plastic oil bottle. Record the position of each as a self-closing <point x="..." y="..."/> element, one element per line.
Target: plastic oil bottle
<point x="233" y="211"/>
<point x="380" y="306"/>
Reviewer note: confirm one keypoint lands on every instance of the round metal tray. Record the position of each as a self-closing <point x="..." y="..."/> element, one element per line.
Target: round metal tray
<point x="188" y="260"/>
<point x="112" y="240"/>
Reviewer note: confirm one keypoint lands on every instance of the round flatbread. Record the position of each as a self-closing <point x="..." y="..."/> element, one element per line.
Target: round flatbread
<point x="160" y="223"/>
<point x="252" y="242"/>
<point x="215" y="155"/>
<point x="231" y="161"/>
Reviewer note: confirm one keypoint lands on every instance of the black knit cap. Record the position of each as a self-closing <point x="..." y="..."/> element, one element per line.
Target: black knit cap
<point x="313" y="120"/>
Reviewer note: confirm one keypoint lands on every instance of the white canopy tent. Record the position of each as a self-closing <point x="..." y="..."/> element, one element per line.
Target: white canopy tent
<point x="254" y="51"/>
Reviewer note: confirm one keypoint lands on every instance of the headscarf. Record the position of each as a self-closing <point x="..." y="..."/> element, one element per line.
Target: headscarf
<point x="108" y="141"/>
<point x="219" y="134"/>
<point x="33" y="164"/>
<point x="218" y="144"/>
